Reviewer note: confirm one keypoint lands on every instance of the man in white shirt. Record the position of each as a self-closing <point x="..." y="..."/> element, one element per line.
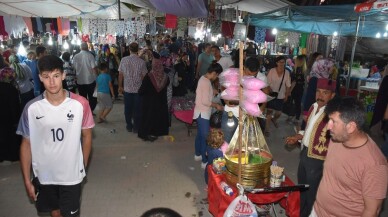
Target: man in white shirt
<point x="315" y="141"/>
<point x="226" y="62"/>
<point x="53" y="126"/>
<point x="86" y="71"/>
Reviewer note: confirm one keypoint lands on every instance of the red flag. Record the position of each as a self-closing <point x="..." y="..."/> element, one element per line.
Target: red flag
<point x="171" y="21"/>
<point x="364" y="7"/>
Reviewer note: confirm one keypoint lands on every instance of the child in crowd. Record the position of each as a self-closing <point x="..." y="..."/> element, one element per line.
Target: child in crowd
<point x="69" y="82"/>
<point x="215" y="149"/>
<point x="105" y="93"/>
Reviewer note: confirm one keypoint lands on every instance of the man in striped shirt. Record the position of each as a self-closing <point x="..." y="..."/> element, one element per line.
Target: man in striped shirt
<point x="132" y="70"/>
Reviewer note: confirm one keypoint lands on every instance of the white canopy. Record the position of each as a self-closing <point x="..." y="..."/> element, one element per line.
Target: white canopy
<point x="104" y="9"/>
<point x="108" y="9"/>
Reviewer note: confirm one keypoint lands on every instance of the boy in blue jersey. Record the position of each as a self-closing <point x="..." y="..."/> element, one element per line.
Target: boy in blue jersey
<point x="53" y="125"/>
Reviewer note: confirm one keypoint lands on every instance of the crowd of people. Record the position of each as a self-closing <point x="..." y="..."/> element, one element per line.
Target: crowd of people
<point x="328" y="129"/>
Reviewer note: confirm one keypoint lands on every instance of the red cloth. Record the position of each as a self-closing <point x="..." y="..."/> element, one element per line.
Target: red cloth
<point x="227" y="28"/>
<point x="185" y="116"/>
<point x="171" y="21"/>
<point x="2" y="27"/>
<point x="219" y="201"/>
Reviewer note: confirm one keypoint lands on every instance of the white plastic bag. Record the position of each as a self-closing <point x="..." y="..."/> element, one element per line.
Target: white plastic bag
<point x="241" y="206"/>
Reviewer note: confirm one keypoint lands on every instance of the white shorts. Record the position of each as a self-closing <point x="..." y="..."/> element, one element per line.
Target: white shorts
<point x="104" y="100"/>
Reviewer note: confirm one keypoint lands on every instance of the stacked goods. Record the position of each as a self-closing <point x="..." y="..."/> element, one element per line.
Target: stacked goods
<point x="256" y="158"/>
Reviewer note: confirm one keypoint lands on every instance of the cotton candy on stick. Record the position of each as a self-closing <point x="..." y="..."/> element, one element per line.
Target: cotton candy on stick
<point x="230" y="77"/>
<point x="254" y="96"/>
<point x="230" y="93"/>
<point x="252" y="83"/>
<point x="251" y="108"/>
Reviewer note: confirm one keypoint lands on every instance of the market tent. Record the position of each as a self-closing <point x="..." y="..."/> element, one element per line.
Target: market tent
<point x="103" y="9"/>
<point x="108" y="9"/>
<point x="323" y="20"/>
<point x="254" y="6"/>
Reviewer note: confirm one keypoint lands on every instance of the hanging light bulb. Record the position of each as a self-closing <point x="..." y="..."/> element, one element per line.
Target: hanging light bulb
<point x="386" y="27"/>
<point x="274" y="31"/>
<point x="78" y="41"/>
<point x="385" y="34"/>
<point x="50" y="41"/>
<point x="230" y="122"/>
<point x="73" y="41"/>
<point x="335" y="33"/>
<point x="378" y="35"/>
<point x="286" y="40"/>
<point x="1" y="45"/>
<point x="65" y="45"/>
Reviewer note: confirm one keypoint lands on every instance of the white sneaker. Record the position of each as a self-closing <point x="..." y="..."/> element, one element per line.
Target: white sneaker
<point x="203" y="165"/>
<point x="197" y="158"/>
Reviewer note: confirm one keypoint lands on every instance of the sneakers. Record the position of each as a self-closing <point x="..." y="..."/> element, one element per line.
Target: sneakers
<point x="197" y="158"/>
<point x="203" y="165"/>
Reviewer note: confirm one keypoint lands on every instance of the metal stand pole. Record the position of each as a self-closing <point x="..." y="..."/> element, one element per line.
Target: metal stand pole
<point x="352" y="56"/>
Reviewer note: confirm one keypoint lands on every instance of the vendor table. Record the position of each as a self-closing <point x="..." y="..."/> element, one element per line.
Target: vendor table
<point x="219" y="200"/>
<point x="183" y="110"/>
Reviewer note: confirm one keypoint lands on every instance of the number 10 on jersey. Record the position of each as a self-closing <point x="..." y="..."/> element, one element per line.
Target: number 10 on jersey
<point x="58" y="134"/>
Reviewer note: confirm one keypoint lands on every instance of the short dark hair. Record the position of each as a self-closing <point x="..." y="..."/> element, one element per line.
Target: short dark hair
<point x="40" y="50"/>
<point x="134" y="47"/>
<point x="215" y="67"/>
<point x="216" y="47"/>
<point x="148" y="42"/>
<point x="252" y="64"/>
<point x="161" y="212"/>
<point x="66" y="56"/>
<point x="50" y="63"/>
<point x="103" y="66"/>
<point x="278" y="58"/>
<point x="207" y="45"/>
<point x="350" y="110"/>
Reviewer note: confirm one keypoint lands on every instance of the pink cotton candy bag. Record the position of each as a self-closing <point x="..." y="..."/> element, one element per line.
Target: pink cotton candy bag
<point x="254" y="96"/>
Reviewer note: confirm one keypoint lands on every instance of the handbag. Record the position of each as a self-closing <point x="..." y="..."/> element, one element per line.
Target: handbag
<point x="275" y="94"/>
<point x="215" y="119"/>
<point x="289" y="107"/>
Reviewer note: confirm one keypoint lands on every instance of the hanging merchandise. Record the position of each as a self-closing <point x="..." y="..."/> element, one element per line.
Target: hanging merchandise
<point x="59" y="24"/>
<point x="85" y="26"/>
<point x="28" y="22"/>
<point x="7" y="24"/>
<point x="227" y="28"/>
<point x="65" y="26"/>
<point x="259" y="34"/>
<point x="79" y="24"/>
<point x="3" y="32"/>
<point x="269" y="37"/>
<point x="182" y="23"/>
<point x="239" y="32"/>
<point x="171" y="21"/>
<point x="303" y="40"/>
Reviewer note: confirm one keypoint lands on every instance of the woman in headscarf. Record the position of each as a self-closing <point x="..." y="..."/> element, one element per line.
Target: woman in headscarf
<point x="154" y="110"/>
<point x="24" y="80"/>
<point x="9" y="115"/>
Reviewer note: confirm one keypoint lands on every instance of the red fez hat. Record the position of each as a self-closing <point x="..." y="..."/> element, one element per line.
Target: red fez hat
<point x="326" y="84"/>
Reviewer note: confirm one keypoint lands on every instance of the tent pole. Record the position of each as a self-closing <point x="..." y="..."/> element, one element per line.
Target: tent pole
<point x="119" y="8"/>
<point x="352" y="56"/>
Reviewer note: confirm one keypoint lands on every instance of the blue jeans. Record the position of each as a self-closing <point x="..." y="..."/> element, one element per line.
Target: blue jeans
<point x="384" y="147"/>
<point x="203" y="128"/>
<point x="131" y="110"/>
<point x="227" y="130"/>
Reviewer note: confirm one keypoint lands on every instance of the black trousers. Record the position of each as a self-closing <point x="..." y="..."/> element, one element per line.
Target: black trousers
<point x="86" y="90"/>
<point x="309" y="172"/>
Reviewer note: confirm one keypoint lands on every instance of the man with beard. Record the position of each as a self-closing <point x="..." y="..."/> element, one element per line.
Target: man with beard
<point x="314" y="144"/>
<point x="355" y="175"/>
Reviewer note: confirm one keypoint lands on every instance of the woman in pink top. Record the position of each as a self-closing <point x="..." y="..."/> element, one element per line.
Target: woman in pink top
<point x="279" y="80"/>
<point x="202" y="110"/>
